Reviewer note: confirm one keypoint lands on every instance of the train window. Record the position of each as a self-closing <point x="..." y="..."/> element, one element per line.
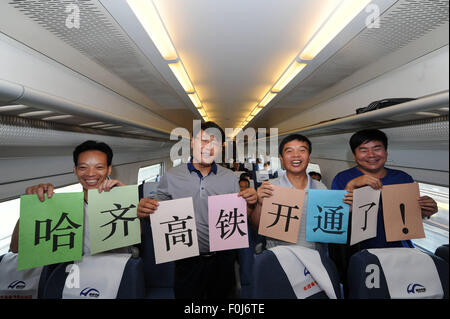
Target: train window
<point x="436" y="228"/>
<point x="10" y="211"/>
<point x="150" y="173"/>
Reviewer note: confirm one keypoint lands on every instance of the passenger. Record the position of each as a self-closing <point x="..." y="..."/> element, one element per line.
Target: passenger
<point x="294" y="151"/>
<point x="315" y="175"/>
<point x="244" y="183"/>
<point x="210" y="275"/>
<point x="245" y="175"/>
<point x="236" y="167"/>
<point x="369" y="149"/>
<point x="92" y="166"/>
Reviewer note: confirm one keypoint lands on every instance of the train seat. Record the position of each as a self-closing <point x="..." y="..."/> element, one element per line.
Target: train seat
<point x="15" y="284"/>
<point x="281" y="273"/>
<point x="159" y="278"/>
<point x="397" y="273"/>
<point x="101" y="276"/>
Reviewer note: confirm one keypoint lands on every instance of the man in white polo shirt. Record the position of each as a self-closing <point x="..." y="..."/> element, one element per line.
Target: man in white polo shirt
<point x="294" y="151"/>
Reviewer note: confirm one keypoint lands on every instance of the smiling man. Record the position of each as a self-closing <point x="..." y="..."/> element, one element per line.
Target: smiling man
<point x="92" y="166"/>
<point x="369" y="148"/>
<point x="294" y="152"/>
<point x="210" y="275"/>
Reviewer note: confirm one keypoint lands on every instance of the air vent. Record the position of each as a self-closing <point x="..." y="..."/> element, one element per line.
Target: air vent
<point x="401" y="24"/>
<point x="407" y="21"/>
<point x="102" y="40"/>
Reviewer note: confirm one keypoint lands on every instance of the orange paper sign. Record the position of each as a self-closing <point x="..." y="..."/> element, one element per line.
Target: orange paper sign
<point x="401" y="212"/>
<point x="281" y="214"/>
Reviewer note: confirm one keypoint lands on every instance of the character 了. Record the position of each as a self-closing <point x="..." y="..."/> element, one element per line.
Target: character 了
<point x="58" y="227"/>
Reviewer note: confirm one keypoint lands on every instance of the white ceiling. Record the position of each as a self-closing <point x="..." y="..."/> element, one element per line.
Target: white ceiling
<point x="233" y="50"/>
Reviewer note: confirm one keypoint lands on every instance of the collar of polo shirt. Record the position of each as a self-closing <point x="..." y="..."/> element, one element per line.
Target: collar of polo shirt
<point x="191" y="168"/>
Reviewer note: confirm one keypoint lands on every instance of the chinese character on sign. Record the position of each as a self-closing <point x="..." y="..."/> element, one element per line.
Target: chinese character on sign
<point x="178" y="232"/>
<point x="119" y="217"/>
<point x="288" y="215"/>
<point x="58" y="232"/>
<point x="365" y="214"/>
<point x="230" y="219"/>
<point x="332" y="221"/>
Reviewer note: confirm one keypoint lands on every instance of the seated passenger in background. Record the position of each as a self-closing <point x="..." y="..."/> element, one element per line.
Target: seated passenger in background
<point x="315" y="175"/>
<point x="92" y="166"/>
<point x="244" y="184"/>
<point x="369" y="149"/>
<point x="294" y="152"/>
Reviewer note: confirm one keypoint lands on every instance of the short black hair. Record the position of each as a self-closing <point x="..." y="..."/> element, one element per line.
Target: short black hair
<point x="291" y="138"/>
<point x="244" y="175"/>
<point x="366" y="136"/>
<point x="93" y="146"/>
<point x="210" y="124"/>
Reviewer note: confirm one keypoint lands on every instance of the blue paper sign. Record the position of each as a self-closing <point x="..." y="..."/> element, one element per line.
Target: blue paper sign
<point x="327" y="216"/>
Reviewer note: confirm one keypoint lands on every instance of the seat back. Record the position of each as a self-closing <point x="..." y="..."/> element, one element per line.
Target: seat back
<point x="246" y="258"/>
<point x="101" y="276"/>
<point x="442" y="252"/>
<point x="23" y="284"/>
<point x="159" y="278"/>
<point x="270" y="281"/>
<point x="396" y="273"/>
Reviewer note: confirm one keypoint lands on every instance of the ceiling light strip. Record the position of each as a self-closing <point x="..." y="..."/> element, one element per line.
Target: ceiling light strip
<point x="148" y="15"/>
<point x="338" y="20"/>
<point x="151" y="21"/>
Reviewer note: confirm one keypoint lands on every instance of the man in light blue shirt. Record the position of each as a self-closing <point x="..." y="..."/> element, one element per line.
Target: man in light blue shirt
<point x="294" y="151"/>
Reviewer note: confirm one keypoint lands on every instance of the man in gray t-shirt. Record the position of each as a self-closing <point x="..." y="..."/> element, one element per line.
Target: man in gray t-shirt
<point x="210" y="275"/>
<point x="294" y="151"/>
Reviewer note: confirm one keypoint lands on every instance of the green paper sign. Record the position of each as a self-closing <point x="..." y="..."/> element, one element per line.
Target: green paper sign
<point x="112" y="217"/>
<point x="50" y="232"/>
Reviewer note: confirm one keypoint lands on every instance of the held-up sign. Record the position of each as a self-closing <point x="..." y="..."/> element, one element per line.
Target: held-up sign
<point x="327" y="217"/>
<point x="50" y="232"/>
<point x="174" y="230"/>
<point x="401" y="212"/>
<point x="113" y="221"/>
<point x="281" y="214"/>
<point x="227" y="218"/>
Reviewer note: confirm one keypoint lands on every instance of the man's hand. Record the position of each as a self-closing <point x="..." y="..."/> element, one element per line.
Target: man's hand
<point x="41" y="190"/>
<point x="428" y="206"/>
<point x="249" y="195"/>
<point x="348" y="198"/>
<point x="108" y="184"/>
<point x="264" y="191"/>
<point x="364" y="180"/>
<point x="146" y="207"/>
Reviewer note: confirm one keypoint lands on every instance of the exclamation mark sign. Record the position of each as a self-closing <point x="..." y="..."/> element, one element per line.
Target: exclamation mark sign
<point x="402" y="212"/>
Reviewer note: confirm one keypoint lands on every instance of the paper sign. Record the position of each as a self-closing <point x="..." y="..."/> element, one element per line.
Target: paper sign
<point x="113" y="221"/>
<point x="364" y="214"/>
<point x="227" y="218"/>
<point x="174" y="230"/>
<point x="281" y="214"/>
<point x="50" y="232"/>
<point x="327" y="217"/>
<point x="401" y="212"/>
